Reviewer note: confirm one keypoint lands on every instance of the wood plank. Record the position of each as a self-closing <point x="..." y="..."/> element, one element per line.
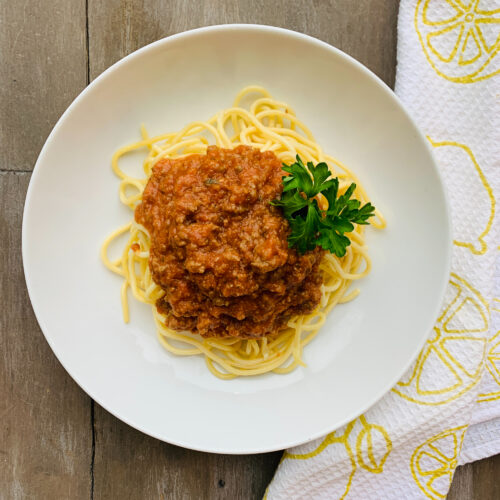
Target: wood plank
<point x="129" y="464"/>
<point x="462" y="486"/>
<point x="44" y="66"/>
<point x="477" y="480"/>
<point x="46" y="434"/>
<point x="486" y="478"/>
<point x="365" y="29"/>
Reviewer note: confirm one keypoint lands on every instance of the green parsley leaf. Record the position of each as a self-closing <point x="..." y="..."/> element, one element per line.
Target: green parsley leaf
<point x="291" y="202"/>
<point x="310" y="226"/>
<point x="303" y="235"/>
<point x="334" y="242"/>
<point x="300" y="177"/>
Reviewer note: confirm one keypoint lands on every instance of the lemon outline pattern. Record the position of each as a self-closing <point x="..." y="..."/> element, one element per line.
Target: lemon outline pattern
<point x="371" y="464"/>
<point x="470" y="245"/>
<point x="426" y="478"/>
<point x="436" y="345"/>
<point x="497" y="304"/>
<point x="493" y="367"/>
<point x="465" y="14"/>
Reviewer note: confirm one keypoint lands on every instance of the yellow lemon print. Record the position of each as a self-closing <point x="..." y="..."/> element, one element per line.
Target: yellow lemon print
<point x="451" y="360"/>
<point x="472" y="215"/>
<point x="338" y="444"/>
<point x="460" y="38"/>
<point x="433" y="462"/>
<point x="493" y="368"/>
<point x="496" y="303"/>
<point x="372" y="446"/>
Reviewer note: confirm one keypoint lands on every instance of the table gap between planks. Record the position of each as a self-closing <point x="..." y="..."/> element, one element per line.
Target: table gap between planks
<point x="55" y="442"/>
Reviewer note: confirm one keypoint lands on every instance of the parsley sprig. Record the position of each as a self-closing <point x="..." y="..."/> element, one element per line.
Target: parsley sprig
<point x="310" y="225"/>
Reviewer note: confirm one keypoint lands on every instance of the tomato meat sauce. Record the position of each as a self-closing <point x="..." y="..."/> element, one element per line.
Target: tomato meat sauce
<point x="219" y="249"/>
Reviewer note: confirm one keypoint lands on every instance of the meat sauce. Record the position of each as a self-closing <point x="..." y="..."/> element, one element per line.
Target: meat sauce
<point x="219" y="249"/>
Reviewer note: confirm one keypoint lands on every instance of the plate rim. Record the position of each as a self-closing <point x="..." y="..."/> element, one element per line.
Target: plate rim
<point x="382" y="86"/>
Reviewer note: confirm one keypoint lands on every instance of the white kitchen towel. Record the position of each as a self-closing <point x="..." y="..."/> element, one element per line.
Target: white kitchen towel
<point x="409" y="444"/>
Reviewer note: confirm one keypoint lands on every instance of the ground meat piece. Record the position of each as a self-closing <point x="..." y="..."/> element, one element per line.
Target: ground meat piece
<point x="219" y="249"/>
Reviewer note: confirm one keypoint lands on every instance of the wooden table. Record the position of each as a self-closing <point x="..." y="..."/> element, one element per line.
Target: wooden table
<point x="55" y="442"/>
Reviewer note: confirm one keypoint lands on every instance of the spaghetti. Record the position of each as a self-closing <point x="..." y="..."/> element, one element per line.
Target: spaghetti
<point x="268" y="125"/>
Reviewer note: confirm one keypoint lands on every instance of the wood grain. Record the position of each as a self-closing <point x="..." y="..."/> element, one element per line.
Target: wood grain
<point x="45" y="436"/>
<point x="43" y="59"/>
<point x="462" y="487"/>
<point x="365" y="29"/>
<point x="130" y="465"/>
<point x="478" y="480"/>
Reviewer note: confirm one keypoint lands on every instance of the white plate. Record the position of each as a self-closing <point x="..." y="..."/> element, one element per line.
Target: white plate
<point x="72" y="204"/>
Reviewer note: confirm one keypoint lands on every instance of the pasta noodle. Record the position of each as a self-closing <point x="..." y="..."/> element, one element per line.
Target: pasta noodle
<point x="266" y="124"/>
